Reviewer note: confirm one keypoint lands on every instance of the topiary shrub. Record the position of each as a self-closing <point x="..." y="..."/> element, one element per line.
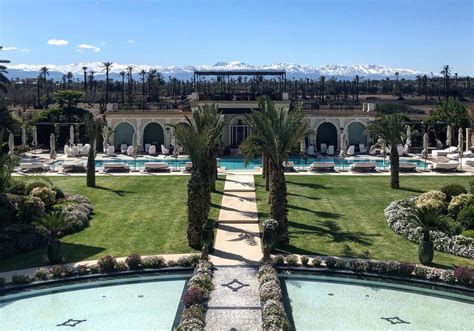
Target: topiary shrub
<point x="134" y="261"/>
<point x="59" y="193"/>
<point x="17" y="186"/>
<point x="304" y="260"/>
<point x="45" y="194"/>
<point x="194" y="296"/>
<point x="188" y="260"/>
<point x="279" y="260"/>
<point x="33" y="185"/>
<point x="81" y="200"/>
<point x="317" y="262"/>
<point x="406" y="269"/>
<point x="29" y="209"/>
<point x="330" y="262"/>
<point x="359" y="265"/>
<point x="82" y="269"/>
<point x="121" y="266"/>
<point x="21" y="279"/>
<point x="463" y="275"/>
<point x="452" y="190"/>
<point x="41" y="274"/>
<point x="291" y="260"/>
<point x="451" y="226"/>
<point x="448" y="276"/>
<point x="153" y="262"/>
<point x="202" y="280"/>
<point x="421" y="271"/>
<point x="270" y="291"/>
<point x="196" y="311"/>
<point x="431" y="199"/>
<point x="466" y="217"/>
<point x="57" y="271"/>
<point x="458" y="203"/>
<point x="107" y="263"/>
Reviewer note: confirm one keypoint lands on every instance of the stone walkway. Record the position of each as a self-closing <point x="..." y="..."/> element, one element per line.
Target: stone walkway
<point x="235" y="302"/>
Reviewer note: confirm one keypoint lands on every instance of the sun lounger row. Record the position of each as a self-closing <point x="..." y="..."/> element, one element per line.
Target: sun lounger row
<point x="77" y="150"/>
<point x="31" y="167"/>
<point x="359" y="166"/>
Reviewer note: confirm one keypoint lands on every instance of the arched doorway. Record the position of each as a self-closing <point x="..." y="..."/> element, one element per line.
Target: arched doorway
<point x="123" y="134"/>
<point x="154" y="135"/>
<point x="239" y="130"/>
<point x="327" y="134"/>
<point x="356" y="134"/>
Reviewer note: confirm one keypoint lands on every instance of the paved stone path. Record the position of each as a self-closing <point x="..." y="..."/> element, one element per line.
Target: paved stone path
<point x="235" y="302"/>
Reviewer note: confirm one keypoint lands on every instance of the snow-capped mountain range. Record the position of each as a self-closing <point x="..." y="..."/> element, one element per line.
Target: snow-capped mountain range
<point x="367" y="71"/>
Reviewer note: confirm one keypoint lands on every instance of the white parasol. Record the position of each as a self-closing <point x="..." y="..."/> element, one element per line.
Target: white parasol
<point x="449" y="136"/>
<point x="71" y="135"/>
<point x="11" y="143"/>
<point x="52" y="146"/>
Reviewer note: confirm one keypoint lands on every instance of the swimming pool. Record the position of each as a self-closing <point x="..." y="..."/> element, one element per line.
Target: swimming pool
<point x="237" y="163"/>
<point x="342" y="304"/>
<point x="138" y="303"/>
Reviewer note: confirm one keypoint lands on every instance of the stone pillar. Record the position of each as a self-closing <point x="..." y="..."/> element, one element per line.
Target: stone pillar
<point x="468" y="139"/>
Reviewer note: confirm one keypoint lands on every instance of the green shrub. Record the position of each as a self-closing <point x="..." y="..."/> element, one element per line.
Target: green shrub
<point x="452" y="227"/>
<point x="134" y="261"/>
<point x="29" y="209"/>
<point x="304" y="260"/>
<point x="59" y="193"/>
<point x="452" y="190"/>
<point x="279" y="260"/>
<point x="107" y="263"/>
<point x="121" y="266"/>
<point x="195" y="311"/>
<point x="41" y="274"/>
<point x="459" y="202"/>
<point x="17" y="186"/>
<point x="317" y="262"/>
<point x="46" y="194"/>
<point x="153" y="262"/>
<point x="33" y="185"/>
<point x="431" y="199"/>
<point x="468" y="233"/>
<point x="7" y="209"/>
<point x="466" y="217"/>
<point x="21" y="279"/>
<point x="19" y="238"/>
<point x="57" y="271"/>
<point x="291" y="260"/>
<point x="471" y="187"/>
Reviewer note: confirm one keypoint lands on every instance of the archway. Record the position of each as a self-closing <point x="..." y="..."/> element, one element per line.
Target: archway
<point x="154" y="135"/>
<point x="239" y="130"/>
<point x="123" y="134"/>
<point x="327" y="134"/>
<point x="356" y="134"/>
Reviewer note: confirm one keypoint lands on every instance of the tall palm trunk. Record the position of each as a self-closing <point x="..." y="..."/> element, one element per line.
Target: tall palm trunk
<point x="212" y="169"/>
<point x="278" y="203"/>
<point x="91" y="163"/>
<point x="199" y="197"/>
<point x="394" y="167"/>
<point x="267" y="174"/>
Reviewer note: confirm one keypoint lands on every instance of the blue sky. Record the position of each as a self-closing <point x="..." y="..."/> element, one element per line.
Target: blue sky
<point x="420" y="35"/>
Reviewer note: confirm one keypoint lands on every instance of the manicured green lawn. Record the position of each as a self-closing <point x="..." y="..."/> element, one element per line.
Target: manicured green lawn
<point x="344" y="216"/>
<point x="145" y="215"/>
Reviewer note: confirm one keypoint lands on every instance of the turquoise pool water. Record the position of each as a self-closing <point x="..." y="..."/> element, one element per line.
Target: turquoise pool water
<point x="102" y="305"/>
<point x="237" y="163"/>
<point x="348" y="305"/>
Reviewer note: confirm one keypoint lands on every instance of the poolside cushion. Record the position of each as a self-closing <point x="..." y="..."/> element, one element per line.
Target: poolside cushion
<point x="156" y="166"/>
<point x="407" y="166"/>
<point x="448" y="166"/>
<point x="322" y="166"/>
<point x="77" y="166"/>
<point x="364" y="166"/>
<point x="116" y="167"/>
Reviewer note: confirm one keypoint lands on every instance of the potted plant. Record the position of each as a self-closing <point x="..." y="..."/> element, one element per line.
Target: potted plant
<point x="53" y="223"/>
<point x="269" y="237"/>
<point x="428" y="219"/>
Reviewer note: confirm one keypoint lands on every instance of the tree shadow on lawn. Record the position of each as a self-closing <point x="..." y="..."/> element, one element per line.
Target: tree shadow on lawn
<point x="321" y="214"/>
<point x="330" y="229"/>
<point x="121" y="193"/>
<point x="411" y="189"/>
<point x="313" y="186"/>
<point x="79" y="252"/>
<point x="303" y="196"/>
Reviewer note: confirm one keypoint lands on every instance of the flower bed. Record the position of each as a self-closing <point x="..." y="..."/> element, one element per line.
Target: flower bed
<point x="196" y="296"/>
<point x="398" y="215"/>
<point x="105" y="265"/>
<point x="273" y="313"/>
<point x="456" y="276"/>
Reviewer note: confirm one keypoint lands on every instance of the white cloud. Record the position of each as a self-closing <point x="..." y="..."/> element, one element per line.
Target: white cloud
<point x="103" y="43"/>
<point x="16" y="49"/>
<point x="131" y="41"/>
<point x="58" y="42"/>
<point x="91" y="47"/>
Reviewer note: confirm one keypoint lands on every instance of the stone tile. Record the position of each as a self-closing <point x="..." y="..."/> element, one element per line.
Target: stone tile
<point x="239" y="183"/>
<point x="238" y="207"/>
<point x="233" y="319"/>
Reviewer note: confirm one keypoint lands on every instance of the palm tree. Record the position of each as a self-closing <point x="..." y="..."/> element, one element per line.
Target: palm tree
<point x="93" y="126"/>
<point x="357" y="78"/>
<point x="446" y="72"/>
<point x="129" y="83"/>
<point x="390" y="128"/>
<point x="195" y="138"/>
<point x="274" y="132"/>
<point x="107" y="66"/>
<point x="4" y="82"/>
<point x="69" y="77"/>
<point x="44" y="71"/>
<point x="143" y="74"/>
<point x="428" y="219"/>
<point x="151" y="82"/>
<point x="84" y="69"/>
<point x="425" y="86"/>
<point x="122" y="73"/>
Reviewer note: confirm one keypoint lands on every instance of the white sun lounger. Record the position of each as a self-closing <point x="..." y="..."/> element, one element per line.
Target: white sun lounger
<point x="364" y="166"/>
<point x="116" y="167"/>
<point x="322" y="166"/>
<point x="468" y="162"/>
<point x="324" y="148"/>
<point x="33" y="167"/>
<point x="448" y="166"/>
<point x="74" y="166"/>
<point x="330" y="150"/>
<point x="407" y="166"/>
<point x="444" y="152"/>
<point x="164" y="150"/>
<point x="84" y="151"/>
<point x="310" y="150"/>
<point x="123" y="148"/>
<point x="362" y="148"/>
<point x="156" y="167"/>
<point x="152" y="150"/>
<point x="455" y="156"/>
<point x="110" y="150"/>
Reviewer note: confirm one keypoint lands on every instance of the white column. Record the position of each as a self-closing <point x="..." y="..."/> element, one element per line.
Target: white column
<point x="468" y="139"/>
